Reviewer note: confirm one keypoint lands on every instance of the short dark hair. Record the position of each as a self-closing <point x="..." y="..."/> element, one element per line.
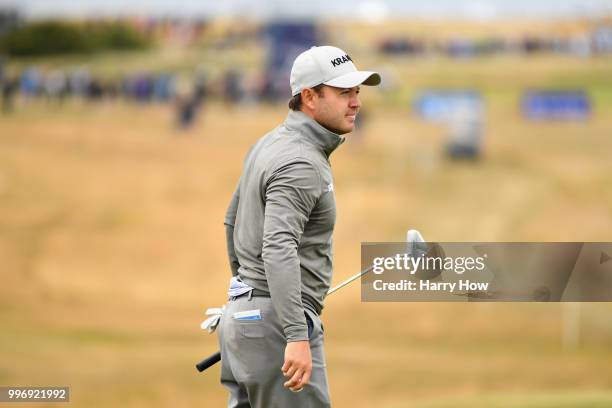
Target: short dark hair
<point x="295" y="103"/>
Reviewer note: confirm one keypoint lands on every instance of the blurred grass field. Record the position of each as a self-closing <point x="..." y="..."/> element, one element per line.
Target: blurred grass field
<point x="112" y="244"/>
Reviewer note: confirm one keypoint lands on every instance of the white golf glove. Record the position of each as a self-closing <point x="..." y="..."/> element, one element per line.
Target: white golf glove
<point x="211" y="323"/>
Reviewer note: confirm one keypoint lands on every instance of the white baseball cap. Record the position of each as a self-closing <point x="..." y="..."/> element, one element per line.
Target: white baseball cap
<point x="330" y="66"/>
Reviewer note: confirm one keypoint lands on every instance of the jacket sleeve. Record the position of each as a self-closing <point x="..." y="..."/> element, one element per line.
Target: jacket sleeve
<point x="291" y="193"/>
<point x="230" y="221"/>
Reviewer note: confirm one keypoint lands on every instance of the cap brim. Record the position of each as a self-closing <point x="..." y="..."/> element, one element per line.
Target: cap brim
<point x="355" y="78"/>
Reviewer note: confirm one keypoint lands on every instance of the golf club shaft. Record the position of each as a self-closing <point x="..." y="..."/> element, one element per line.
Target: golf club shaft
<point x="215" y="358"/>
<point x="349" y="280"/>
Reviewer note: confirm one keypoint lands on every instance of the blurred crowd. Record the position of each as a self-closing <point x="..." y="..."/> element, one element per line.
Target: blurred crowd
<point x="186" y="94"/>
<point x="284" y="40"/>
<point x="56" y="85"/>
<point x="595" y="42"/>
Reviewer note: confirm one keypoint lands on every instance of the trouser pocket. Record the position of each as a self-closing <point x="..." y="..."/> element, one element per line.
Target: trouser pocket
<point x="310" y="324"/>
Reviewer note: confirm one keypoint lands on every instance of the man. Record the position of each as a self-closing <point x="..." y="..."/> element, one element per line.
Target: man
<point x="279" y="228"/>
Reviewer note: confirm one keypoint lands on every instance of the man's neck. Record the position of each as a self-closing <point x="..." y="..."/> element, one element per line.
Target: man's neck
<point x="311" y="115"/>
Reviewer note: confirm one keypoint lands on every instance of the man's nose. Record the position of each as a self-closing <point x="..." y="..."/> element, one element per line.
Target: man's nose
<point x="355" y="102"/>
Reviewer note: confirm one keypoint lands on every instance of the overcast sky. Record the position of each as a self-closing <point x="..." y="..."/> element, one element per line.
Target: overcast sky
<point x="372" y="9"/>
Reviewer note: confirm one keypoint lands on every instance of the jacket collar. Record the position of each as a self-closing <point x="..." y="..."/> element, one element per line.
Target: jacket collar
<point x="324" y="139"/>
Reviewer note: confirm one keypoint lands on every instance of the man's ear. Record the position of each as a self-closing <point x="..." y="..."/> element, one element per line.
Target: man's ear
<point x="308" y="98"/>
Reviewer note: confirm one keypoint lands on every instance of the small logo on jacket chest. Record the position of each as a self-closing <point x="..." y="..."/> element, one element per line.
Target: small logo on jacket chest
<point x="330" y="187"/>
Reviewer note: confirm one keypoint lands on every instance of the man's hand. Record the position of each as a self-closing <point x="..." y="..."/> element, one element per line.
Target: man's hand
<point x="298" y="365"/>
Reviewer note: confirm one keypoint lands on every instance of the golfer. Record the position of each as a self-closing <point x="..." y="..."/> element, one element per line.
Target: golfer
<point x="279" y="227"/>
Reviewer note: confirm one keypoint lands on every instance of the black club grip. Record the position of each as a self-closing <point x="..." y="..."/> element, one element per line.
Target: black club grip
<point x="210" y="361"/>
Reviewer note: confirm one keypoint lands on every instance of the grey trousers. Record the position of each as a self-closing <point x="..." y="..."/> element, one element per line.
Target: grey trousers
<point x="253" y="352"/>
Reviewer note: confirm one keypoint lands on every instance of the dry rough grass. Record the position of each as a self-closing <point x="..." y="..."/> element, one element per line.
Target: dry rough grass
<point x="111" y="248"/>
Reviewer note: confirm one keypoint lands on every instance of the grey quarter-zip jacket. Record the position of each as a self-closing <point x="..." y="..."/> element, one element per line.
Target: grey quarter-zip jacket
<point x="280" y="220"/>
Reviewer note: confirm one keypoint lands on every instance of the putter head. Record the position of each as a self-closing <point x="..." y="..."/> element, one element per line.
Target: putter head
<point x="416" y="243"/>
<point x="418" y="247"/>
<point x="414" y="236"/>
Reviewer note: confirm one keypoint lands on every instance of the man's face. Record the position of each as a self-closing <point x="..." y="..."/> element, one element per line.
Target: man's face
<point x="337" y="108"/>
